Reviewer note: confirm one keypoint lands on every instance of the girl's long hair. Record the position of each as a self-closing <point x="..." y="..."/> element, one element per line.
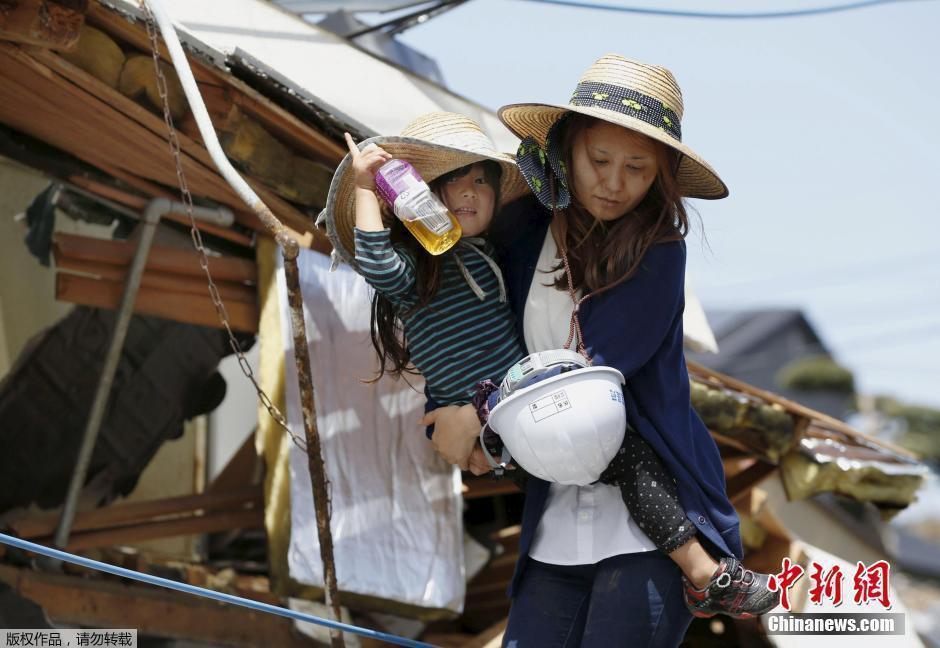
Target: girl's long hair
<point x="386" y="328"/>
<point x="603" y="254"/>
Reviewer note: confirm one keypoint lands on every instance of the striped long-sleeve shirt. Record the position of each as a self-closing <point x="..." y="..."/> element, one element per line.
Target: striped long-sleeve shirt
<point x="457" y="339"/>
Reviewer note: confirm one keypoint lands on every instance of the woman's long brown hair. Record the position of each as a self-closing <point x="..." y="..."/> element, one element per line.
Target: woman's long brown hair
<point x="603" y="254"/>
<point x="385" y="327"/>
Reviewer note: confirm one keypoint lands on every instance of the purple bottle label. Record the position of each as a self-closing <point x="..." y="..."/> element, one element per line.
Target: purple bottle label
<point x="394" y="178"/>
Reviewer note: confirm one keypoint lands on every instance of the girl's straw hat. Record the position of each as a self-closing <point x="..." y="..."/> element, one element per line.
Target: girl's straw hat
<point x="638" y="96"/>
<point x="435" y="144"/>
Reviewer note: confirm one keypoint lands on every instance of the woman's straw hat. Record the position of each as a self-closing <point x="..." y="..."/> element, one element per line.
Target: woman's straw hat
<point x="638" y="96"/>
<point x="435" y="144"/>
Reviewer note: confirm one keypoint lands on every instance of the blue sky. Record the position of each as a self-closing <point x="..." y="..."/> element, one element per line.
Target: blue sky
<point x="823" y="128"/>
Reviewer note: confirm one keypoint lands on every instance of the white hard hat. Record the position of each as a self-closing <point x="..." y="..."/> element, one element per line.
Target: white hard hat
<point x="566" y="428"/>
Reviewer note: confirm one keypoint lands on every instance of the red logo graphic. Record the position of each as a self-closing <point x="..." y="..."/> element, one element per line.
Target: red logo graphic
<point x="871" y="583"/>
<point x="789" y="574"/>
<point x="826" y="585"/>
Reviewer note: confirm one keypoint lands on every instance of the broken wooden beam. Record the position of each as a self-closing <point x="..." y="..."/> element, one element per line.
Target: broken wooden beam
<point x="161" y="258"/>
<point x="153" y="530"/>
<point x="251" y="146"/>
<point x="738" y="486"/>
<point x="55" y="24"/>
<point x="169" y="282"/>
<point x="818" y="419"/>
<point x="477" y="487"/>
<point x="38" y="526"/>
<point x="49" y="99"/>
<point x="179" y="307"/>
<point x="75" y="601"/>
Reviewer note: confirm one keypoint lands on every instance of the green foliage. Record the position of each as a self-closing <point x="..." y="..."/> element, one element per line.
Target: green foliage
<point x="923" y="426"/>
<point x="816" y="373"/>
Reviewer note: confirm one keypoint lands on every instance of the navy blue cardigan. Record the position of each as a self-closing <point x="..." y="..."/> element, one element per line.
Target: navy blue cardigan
<point x="635" y="327"/>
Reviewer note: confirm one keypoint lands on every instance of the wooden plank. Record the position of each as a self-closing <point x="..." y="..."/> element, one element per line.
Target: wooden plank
<point x="158" y="191"/>
<point x="58" y="164"/>
<point x="248" y="143"/>
<point x="173" y="283"/>
<point x="477" y="487"/>
<point x="180" y="307"/>
<point x="442" y="639"/>
<point x="129" y="200"/>
<point x="797" y="409"/>
<point x="37" y="526"/>
<point x="161" y="258"/>
<point x="74" y="601"/>
<point x="120" y="102"/>
<point x="740" y="485"/>
<point x="46" y="23"/>
<point x="35" y="99"/>
<point x="39" y="102"/>
<point x="192" y="525"/>
<point x="731" y="442"/>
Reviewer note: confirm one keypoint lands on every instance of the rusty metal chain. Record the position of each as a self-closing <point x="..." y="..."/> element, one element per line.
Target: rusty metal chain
<point x="196" y="236"/>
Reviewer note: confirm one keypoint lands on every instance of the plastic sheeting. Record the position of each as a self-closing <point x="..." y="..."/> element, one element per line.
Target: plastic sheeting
<point x="396" y="506"/>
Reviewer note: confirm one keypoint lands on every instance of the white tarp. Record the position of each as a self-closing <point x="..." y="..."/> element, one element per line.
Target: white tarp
<point x="397" y="526"/>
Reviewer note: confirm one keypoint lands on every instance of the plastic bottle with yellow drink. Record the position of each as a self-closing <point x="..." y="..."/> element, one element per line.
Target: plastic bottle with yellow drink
<point x="416" y="206"/>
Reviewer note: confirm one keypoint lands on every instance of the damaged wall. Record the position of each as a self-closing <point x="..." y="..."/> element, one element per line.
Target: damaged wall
<point x="26" y="303"/>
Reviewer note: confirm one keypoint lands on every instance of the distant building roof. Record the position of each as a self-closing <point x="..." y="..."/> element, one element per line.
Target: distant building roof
<point x="755" y="344"/>
<point x="741" y="332"/>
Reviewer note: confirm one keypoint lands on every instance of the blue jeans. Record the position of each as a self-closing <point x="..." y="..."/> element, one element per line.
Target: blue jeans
<point x="631" y="599"/>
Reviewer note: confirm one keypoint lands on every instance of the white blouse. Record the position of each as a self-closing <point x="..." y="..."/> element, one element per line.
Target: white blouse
<point x="581" y="524"/>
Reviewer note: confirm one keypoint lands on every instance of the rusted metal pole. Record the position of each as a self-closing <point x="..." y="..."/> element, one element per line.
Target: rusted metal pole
<point x="321" y="498"/>
<point x="290" y="249"/>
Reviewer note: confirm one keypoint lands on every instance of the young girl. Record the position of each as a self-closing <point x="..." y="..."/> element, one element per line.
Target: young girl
<point x="445" y="315"/>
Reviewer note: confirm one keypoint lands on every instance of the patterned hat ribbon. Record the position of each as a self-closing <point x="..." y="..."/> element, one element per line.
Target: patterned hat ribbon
<point x="631" y="103"/>
<point x="543" y="166"/>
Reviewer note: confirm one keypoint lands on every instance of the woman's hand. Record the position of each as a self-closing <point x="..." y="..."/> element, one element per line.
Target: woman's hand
<point x="456" y="429"/>
<point x="366" y="162"/>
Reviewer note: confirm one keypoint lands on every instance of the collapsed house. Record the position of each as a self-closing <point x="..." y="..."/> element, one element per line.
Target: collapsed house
<point x="79" y="104"/>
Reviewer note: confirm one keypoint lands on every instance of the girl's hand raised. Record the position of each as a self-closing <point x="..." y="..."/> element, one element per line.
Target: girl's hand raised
<point x="456" y="429"/>
<point x="366" y="162"/>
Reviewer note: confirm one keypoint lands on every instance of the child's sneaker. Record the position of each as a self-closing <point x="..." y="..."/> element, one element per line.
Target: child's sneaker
<point x="732" y="590"/>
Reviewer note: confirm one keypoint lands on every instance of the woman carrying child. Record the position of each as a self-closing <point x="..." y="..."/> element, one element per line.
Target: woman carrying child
<point x="598" y="253"/>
